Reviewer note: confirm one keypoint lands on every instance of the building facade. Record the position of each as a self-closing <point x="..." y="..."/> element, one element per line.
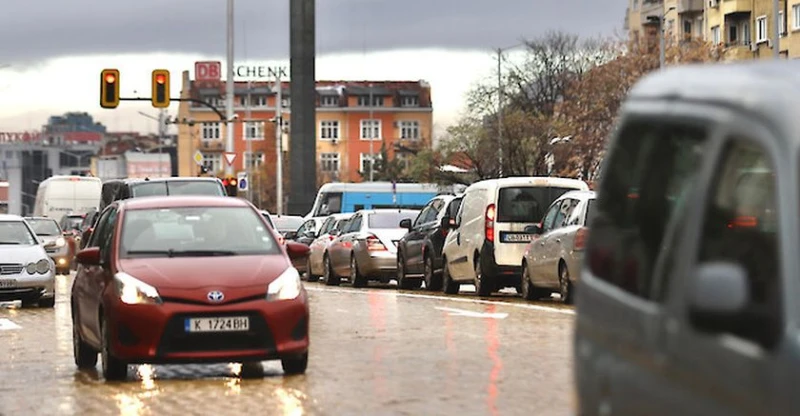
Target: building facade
<point x="350" y="115"/>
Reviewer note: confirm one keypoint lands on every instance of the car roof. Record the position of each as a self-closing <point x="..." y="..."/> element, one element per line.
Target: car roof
<point x="40" y="218"/>
<point x="579" y="195"/>
<point x="152" y="202"/>
<point x="767" y="89"/>
<point x="385" y="210"/>
<point x="10" y="217"/>
<point x="169" y="179"/>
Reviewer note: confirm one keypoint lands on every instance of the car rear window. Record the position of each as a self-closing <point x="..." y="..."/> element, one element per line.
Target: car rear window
<point x="390" y="219"/>
<point x="527" y="204"/>
<point x="287" y="223"/>
<point x="196" y="188"/>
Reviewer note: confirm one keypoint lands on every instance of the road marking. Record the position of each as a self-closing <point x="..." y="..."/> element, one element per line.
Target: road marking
<point x="448" y="298"/>
<point x="472" y="314"/>
<point x="6" y="324"/>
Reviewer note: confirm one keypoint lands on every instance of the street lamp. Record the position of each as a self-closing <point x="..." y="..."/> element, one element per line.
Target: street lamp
<point x="500" y="103"/>
<point x="659" y="20"/>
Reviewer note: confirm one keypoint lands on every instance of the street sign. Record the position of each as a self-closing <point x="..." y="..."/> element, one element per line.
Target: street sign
<point x="198" y="158"/>
<point x="242" y="179"/>
<point x="229" y="158"/>
<point x="207" y="71"/>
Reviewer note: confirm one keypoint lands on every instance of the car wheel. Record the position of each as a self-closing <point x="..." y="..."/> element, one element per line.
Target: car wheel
<point x="356" y="278"/>
<point x="29" y="303"/>
<point x="85" y="356"/>
<point x="252" y="369"/>
<point x="403" y="282"/>
<point x="565" y="285"/>
<point x="449" y="287"/>
<point x="432" y="281"/>
<point x="310" y="276"/>
<point x="330" y="277"/>
<point x="295" y="365"/>
<point x="47" y="302"/>
<point x="483" y="286"/>
<point x="113" y="368"/>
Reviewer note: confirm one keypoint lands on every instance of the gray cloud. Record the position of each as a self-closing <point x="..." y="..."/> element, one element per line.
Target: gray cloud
<point x="35" y="30"/>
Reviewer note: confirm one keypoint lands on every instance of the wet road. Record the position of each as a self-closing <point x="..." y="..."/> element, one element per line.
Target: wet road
<point x="373" y="351"/>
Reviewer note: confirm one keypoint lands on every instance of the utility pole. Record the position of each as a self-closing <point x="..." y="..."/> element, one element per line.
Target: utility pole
<point x="248" y="125"/>
<point x="162" y="132"/>
<point x="500" y="110"/>
<point x="279" y="142"/>
<point x="371" y="138"/>
<point x="776" y="29"/>
<point x="229" y="91"/>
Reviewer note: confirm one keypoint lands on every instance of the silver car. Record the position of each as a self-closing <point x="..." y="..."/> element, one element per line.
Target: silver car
<point x="367" y="249"/>
<point x="26" y="271"/>
<point x="330" y="228"/>
<point x="48" y="230"/>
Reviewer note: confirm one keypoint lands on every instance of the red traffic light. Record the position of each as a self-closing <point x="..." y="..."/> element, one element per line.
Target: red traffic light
<point x="232" y="181"/>
<point x="110" y="78"/>
<point x="160" y="78"/>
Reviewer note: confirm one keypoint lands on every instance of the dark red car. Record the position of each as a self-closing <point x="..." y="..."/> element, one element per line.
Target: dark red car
<point x="187" y="280"/>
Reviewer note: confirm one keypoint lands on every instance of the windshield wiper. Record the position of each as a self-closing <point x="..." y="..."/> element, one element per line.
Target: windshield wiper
<point x="183" y="253"/>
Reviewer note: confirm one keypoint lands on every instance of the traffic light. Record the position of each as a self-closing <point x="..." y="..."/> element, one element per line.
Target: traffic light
<point x="231" y="186"/>
<point x="160" y="91"/>
<point x="109" y="88"/>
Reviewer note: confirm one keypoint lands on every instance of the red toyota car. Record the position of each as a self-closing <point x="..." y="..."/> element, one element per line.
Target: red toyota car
<point x="168" y="280"/>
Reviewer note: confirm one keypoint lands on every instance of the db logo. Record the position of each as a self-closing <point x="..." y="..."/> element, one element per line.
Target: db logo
<point x="207" y="71"/>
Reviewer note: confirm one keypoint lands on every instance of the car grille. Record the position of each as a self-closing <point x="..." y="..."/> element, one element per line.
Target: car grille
<point x="6" y="269"/>
<point x="177" y="340"/>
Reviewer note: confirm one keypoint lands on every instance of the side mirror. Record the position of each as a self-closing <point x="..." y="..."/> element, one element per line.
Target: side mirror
<point x="89" y="256"/>
<point x="290" y="235"/>
<point x="297" y="251"/>
<point x="405" y="223"/>
<point x="718" y="295"/>
<point x="535" y="229"/>
<point x="310" y="234"/>
<point x="334" y="233"/>
<point x="47" y="245"/>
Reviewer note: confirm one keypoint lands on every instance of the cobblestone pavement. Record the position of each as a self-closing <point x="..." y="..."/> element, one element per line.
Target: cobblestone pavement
<point x="374" y="351"/>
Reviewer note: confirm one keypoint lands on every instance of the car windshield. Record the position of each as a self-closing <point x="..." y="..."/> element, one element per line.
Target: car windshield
<point x="390" y="219"/>
<point x="44" y="227"/>
<point x="16" y="233"/>
<point x="195" y="231"/>
<point x="161" y="188"/>
<point x="71" y="223"/>
<point x="287" y="223"/>
<point x="527" y="204"/>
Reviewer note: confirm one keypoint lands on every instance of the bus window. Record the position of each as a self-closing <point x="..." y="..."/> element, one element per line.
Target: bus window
<point x="331" y="204"/>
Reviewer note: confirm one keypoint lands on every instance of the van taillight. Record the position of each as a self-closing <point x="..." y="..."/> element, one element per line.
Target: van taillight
<point x="490" y="214"/>
<point x="580" y="238"/>
<point x="374" y="244"/>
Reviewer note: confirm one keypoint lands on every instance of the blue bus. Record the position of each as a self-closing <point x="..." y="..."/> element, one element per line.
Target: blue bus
<point x="343" y="198"/>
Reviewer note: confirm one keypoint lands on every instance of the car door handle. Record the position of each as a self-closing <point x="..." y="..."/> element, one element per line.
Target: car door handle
<point x="558" y="240"/>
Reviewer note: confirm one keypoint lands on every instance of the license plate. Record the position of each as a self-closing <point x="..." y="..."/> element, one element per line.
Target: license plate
<point x="516" y="238"/>
<point x="7" y="284"/>
<point x="220" y="324"/>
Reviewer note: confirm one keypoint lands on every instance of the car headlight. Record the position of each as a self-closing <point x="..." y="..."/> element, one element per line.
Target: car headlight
<point x="286" y="287"/>
<point x="41" y="267"/>
<point x="60" y="242"/>
<point x="133" y="291"/>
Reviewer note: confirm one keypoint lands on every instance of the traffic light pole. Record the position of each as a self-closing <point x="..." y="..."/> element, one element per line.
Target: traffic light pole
<point x="279" y="144"/>
<point x="229" y="89"/>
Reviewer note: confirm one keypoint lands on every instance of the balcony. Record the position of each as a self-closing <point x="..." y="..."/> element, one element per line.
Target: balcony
<point x="738" y="52"/>
<point x="651" y="8"/>
<point x="690" y="6"/>
<point x="735" y="6"/>
<point x="210" y="145"/>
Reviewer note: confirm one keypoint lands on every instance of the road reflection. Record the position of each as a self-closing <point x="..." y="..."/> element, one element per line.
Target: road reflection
<point x="492" y="346"/>
<point x="377" y="314"/>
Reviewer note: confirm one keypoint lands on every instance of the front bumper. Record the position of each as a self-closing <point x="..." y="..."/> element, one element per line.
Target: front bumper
<point x="25" y="286"/>
<point x="155" y="334"/>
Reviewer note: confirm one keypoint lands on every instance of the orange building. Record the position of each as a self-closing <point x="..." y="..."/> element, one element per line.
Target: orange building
<point x="400" y="116"/>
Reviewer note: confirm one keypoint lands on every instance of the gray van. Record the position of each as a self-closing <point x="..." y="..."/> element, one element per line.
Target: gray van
<point x="689" y="299"/>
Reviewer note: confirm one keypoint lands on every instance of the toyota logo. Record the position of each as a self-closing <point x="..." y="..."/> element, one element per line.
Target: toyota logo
<point x="215" y="296"/>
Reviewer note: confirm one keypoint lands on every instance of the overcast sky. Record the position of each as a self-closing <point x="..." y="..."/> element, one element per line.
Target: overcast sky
<point x="57" y="47"/>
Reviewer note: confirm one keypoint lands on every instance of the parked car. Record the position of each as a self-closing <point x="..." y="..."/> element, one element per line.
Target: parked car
<point x="689" y="292"/>
<point x="87" y="226"/>
<point x="70" y="226"/>
<point x="27" y="273"/>
<point x="117" y="189"/>
<point x="48" y="230"/>
<point x="287" y="225"/>
<point x="486" y="246"/>
<point x="553" y="260"/>
<point x="367" y="249"/>
<point x="308" y="232"/>
<point x="331" y="227"/>
<point x="189" y="279"/>
<point x="419" y="252"/>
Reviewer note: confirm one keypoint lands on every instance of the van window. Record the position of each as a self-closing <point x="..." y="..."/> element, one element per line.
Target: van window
<point x="650" y="167"/>
<point x="526" y="204"/>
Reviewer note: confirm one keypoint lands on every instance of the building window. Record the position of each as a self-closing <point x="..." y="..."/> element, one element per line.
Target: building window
<point x="404" y="159"/>
<point x="761" y="29"/>
<point x="212" y="162"/>
<point x="687" y="28"/>
<point x="363" y="101"/>
<point x="286" y="102"/>
<point x="210" y="131"/>
<point x="781" y="24"/>
<point x="715" y="38"/>
<point x="254" y="130"/>
<point x="329" y="162"/>
<point x="410" y="101"/>
<point x="260" y="101"/>
<point x="329" y="101"/>
<point x="370" y="129"/>
<point x="796" y="15"/>
<point x="329" y="130"/>
<point x="409" y="130"/>
<point x="364" y="161"/>
<point x="253" y="160"/>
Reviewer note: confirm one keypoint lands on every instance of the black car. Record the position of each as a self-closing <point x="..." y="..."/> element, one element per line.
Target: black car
<point x="117" y="189"/>
<point x="419" y="252"/>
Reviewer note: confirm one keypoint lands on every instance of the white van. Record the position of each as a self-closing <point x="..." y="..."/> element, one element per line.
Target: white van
<point x="489" y="238"/>
<point x="61" y="195"/>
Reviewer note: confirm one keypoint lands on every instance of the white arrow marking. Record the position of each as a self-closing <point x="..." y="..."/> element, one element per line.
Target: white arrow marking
<point x="472" y="314"/>
<point x="6" y="324"/>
